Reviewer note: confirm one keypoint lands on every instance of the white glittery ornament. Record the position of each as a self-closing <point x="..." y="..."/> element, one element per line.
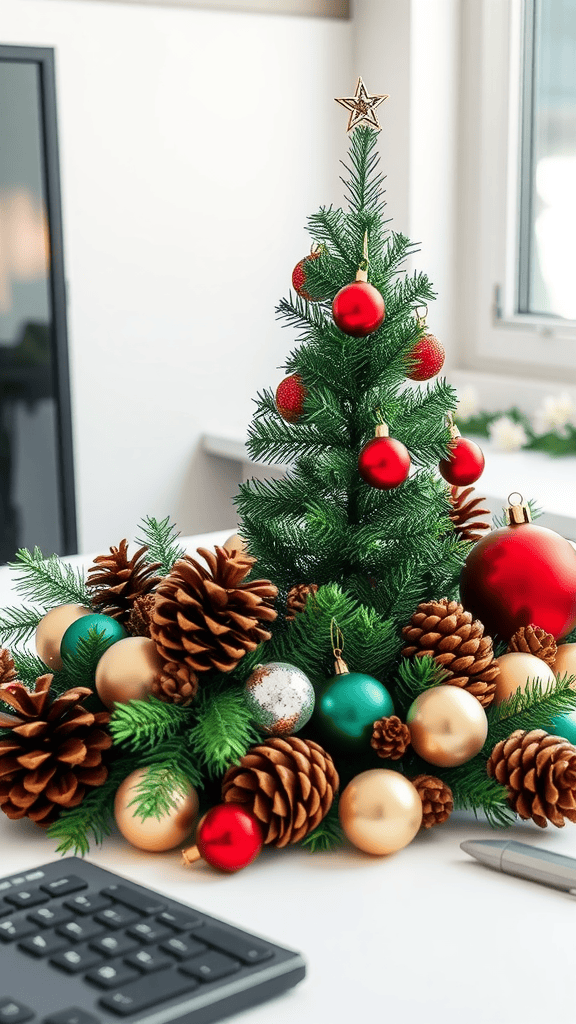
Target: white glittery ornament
<point x="280" y="697"/>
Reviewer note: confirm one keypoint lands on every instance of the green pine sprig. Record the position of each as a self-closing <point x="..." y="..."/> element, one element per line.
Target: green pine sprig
<point x="533" y="708"/>
<point x="223" y="730"/>
<point x="160" y="536"/>
<point x="92" y="820"/>
<point x="18" y="624"/>
<point x="48" y="581"/>
<point x="414" y="676"/>
<point x="144" y="725"/>
<point x="170" y="771"/>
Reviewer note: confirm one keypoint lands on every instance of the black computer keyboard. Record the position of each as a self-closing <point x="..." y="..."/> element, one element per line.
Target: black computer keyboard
<point x="80" y="945"/>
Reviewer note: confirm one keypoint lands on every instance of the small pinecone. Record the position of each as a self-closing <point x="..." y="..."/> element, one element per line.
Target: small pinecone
<point x="539" y="771"/>
<point x="7" y="670"/>
<point x="536" y="641"/>
<point x="391" y="738"/>
<point x="176" y="684"/>
<point x="52" y="753"/>
<point x="140" y="615"/>
<point x="117" y="580"/>
<point x="209" y="618"/>
<point x="287" y="783"/>
<point x="437" y="801"/>
<point x="444" y="630"/>
<point x="297" y="597"/>
<point x="464" y="513"/>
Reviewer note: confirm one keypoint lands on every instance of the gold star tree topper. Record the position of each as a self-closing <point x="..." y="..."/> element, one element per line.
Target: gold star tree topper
<point x="362" y="107"/>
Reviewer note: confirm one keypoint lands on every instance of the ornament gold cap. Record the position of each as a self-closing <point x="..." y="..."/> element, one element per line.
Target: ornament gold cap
<point x="337" y="638"/>
<point x="340" y="666"/>
<point x="190" y="856"/>
<point x="517" y="512"/>
<point x="382" y="430"/>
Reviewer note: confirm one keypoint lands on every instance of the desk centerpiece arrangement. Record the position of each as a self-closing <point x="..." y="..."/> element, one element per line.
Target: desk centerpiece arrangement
<point x="329" y="671"/>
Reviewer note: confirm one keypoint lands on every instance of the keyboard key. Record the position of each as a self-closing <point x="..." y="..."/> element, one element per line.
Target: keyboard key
<point x="114" y="945"/>
<point x="148" y="991"/>
<point x="112" y="975"/>
<point x="149" y="932"/>
<point x="5" y="908"/>
<point x="145" y="903"/>
<point x="117" y="917"/>
<point x="149" y="960"/>
<point x="183" y="947"/>
<point x="80" y="931"/>
<point x="71" y="1016"/>
<point x="88" y="904"/>
<point x="248" y="950"/>
<point x="76" y="960"/>
<point x="64" y="886"/>
<point x="50" y="916"/>
<point x="27" y="898"/>
<point x="43" y="944"/>
<point x="15" y="928"/>
<point x="179" y="921"/>
<point x="211" y="966"/>
<point x="12" y="1012"/>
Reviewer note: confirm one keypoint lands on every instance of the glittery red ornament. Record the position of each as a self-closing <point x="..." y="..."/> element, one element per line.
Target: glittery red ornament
<point x="299" y="276"/>
<point x="358" y="309"/>
<point x="384" y="462"/>
<point x="426" y="358"/>
<point x="228" y="837"/>
<point x="465" y="464"/>
<point x="290" y="395"/>
<point x="519" y="574"/>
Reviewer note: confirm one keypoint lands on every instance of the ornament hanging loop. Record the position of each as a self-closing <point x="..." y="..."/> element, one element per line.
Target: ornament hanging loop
<point x="517" y="511"/>
<point x="421" y="316"/>
<point x="454" y="432"/>
<point x="337" y="641"/>
<point x="382" y="429"/>
<point x="362" y="273"/>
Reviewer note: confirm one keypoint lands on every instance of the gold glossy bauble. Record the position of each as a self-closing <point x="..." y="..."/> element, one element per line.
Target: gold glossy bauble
<point x="51" y="629"/>
<point x="235" y="543"/>
<point x="448" y="726"/>
<point x="517" y="669"/>
<point x="565" y="663"/>
<point x="153" y="834"/>
<point x="380" y="811"/>
<point x="127" y="670"/>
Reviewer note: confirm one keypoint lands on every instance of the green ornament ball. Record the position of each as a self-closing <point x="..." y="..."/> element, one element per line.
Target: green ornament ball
<point x="79" y="630"/>
<point x="347" y="707"/>
<point x="565" y="726"/>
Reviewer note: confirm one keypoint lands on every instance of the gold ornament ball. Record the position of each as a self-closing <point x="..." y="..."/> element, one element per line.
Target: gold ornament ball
<point x="565" y="663"/>
<point x="153" y="834"/>
<point x="235" y="543"/>
<point x="448" y="726"/>
<point x="517" y="669"/>
<point x="127" y="670"/>
<point x="51" y="629"/>
<point x="380" y="811"/>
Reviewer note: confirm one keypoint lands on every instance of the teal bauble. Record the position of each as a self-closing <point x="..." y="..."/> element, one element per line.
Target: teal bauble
<point x="565" y="726"/>
<point x="347" y="707"/>
<point x="105" y="624"/>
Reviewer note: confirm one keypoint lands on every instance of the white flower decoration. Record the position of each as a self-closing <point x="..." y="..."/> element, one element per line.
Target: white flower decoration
<point x="468" y="403"/>
<point x="506" y="434"/>
<point x="555" y="414"/>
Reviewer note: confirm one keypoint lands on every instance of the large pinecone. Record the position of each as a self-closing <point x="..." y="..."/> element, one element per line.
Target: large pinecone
<point x="437" y="800"/>
<point x="209" y="618"/>
<point x="288" y="784"/>
<point x="534" y="640"/>
<point x="464" y="513"/>
<point x="539" y="771"/>
<point x="52" y="753"/>
<point x="115" y="581"/>
<point x="444" y="630"/>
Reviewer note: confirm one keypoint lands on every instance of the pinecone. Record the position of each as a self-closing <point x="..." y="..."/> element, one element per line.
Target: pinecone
<point x="534" y="640"/>
<point x="176" y="684"/>
<point x="444" y="630"/>
<point x="116" y="581"/>
<point x="391" y="738"/>
<point x="464" y="513"/>
<point x="52" y="753"/>
<point x="209" y="618"/>
<point x="140" y="615"/>
<point x="287" y="783"/>
<point x="297" y="597"/>
<point x="7" y="670"/>
<point x="539" y="771"/>
<point x="437" y="801"/>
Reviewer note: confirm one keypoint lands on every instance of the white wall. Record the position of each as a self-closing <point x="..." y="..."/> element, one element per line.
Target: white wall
<point x="193" y="145"/>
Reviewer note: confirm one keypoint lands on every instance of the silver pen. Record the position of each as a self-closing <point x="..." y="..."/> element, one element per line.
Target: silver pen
<point x="525" y="861"/>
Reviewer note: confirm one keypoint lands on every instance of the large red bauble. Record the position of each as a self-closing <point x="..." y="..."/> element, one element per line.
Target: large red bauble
<point x="229" y="837"/>
<point x="290" y="395"/>
<point x="518" y="575"/>
<point x="384" y="463"/>
<point x="358" y="309"/>
<point x="426" y="358"/>
<point x="465" y="464"/>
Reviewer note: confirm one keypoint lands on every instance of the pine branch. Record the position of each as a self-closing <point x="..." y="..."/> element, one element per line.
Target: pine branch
<point x="161" y="538"/>
<point x="414" y="676"/>
<point x="143" y="725"/>
<point x="364" y="184"/>
<point x="93" y="817"/>
<point x="328" y="835"/>
<point x="29" y="667"/>
<point x="474" y="790"/>
<point x="223" y="731"/>
<point x="18" y="624"/>
<point x="48" y="581"/>
<point x="533" y="708"/>
<point x="170" y="771"/>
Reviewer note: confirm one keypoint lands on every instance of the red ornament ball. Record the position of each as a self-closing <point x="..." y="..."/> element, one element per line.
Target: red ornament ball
<point x="299" y="277"/>
<point x="358" y="309"/>
<point x="384" y="463"/>
<point x="521" y="574"/>
<point x="465" y="464"/>
<point x="290" y="395"/>
<point x="229" y="837"/>
<point x="426" y="358"/>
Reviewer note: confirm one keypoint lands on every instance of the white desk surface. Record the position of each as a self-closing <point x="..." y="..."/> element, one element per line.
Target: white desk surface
<point x="426" y="936"/>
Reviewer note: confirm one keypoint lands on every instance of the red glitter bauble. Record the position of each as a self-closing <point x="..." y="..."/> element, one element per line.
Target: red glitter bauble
<point x="384" y="463"/>
<point x="290" y="395"/>
<point x="426" y="358"/>
<point x="229" y="837"/>
<point x="299" y="277"/>
<point x="465" y="464"/>
<point x="521" y="574"/>
<point x="358" y="309"/>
